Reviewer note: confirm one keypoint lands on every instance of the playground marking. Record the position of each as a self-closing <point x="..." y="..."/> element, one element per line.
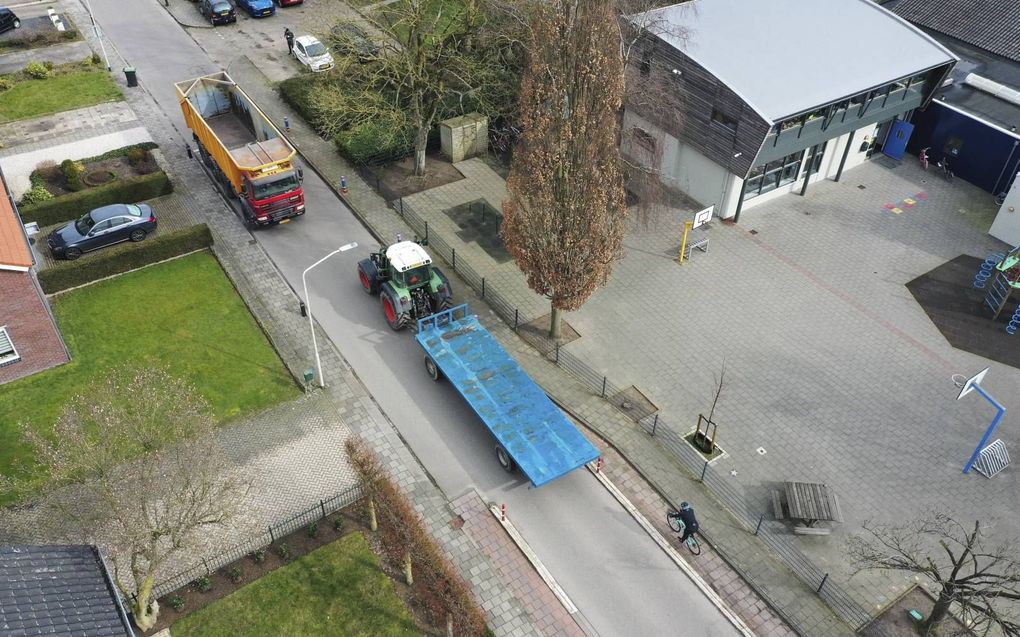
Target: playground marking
<point x="906" y="202"/>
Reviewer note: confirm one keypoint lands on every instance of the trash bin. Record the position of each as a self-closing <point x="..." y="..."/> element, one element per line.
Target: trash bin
<point x="131" y="76"/>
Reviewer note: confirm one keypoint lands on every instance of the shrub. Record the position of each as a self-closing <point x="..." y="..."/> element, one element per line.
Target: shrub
<point x="48" y="64"/>
<point x="46" y="170"/>
<point x="37" y="194"/>
<point x="234" y="573"/>
<point x="259" y="556"/>
<point x="203" y="584"/>
<point x="374" y="142"/>
<point x="313" y="529"/>
<point x="36" y="71"/>
<point x="6" y="84"/>
<point x="296" y="92"/>
<point x="72" y="174"/>
<point x="176" y="603"/>
<point x="338" y="524"/>
<point x="283" y="550"/>
<point x="124" y="257"/>
<point x="74" y="205"/>
<point x="137" y="155"/>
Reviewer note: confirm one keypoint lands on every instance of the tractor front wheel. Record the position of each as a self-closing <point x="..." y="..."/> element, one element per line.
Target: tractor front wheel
<point x="396" y="320"/>
<point x="369" y="276"/>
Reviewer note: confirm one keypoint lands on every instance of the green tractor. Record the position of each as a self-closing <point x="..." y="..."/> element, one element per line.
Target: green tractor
<point x="409" y="285"/>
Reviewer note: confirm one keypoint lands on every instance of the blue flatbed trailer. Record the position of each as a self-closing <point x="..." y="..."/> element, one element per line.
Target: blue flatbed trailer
<point x="527" y="425"/>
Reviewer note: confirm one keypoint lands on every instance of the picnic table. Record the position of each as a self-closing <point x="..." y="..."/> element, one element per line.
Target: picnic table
<point x="812" y="502"/>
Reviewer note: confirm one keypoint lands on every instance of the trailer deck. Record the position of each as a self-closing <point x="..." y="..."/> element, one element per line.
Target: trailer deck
<point x="536" y="434"/>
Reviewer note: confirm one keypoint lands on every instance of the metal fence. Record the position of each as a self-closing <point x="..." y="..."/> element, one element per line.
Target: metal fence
<point x="260" y="540"/>
<point x="599" y="384"/>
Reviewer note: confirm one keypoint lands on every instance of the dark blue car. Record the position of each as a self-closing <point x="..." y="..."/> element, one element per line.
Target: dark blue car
<point x="258" y="8"/>
<point x="102" y="227"/>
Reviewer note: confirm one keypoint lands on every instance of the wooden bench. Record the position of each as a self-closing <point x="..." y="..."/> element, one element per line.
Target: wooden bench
<point x="812" y="530"/>
<point x="777" y="504"/>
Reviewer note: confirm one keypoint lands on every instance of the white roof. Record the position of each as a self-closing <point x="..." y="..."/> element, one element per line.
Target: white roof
<point x="406" y="255"/>
<point x="305" y="40"/>
<point x="784" y="57"/>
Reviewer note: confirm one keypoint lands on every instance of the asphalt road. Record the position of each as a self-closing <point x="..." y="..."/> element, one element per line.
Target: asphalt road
<point x="621" y="582"/>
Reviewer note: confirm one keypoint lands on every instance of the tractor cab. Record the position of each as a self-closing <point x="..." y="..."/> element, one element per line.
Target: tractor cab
<point x="409" y="264"/>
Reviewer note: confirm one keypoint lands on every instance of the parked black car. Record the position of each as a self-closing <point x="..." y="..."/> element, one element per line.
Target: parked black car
<point x="102" y="227"/>
<point x="8" y="20"/>
<point x="217" y="11"/>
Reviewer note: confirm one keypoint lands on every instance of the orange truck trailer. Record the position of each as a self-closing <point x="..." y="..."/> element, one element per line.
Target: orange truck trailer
<point x="246" y="154"/>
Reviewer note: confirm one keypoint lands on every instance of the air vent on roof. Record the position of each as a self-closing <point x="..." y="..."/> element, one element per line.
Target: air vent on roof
<point x="994" y="88"/>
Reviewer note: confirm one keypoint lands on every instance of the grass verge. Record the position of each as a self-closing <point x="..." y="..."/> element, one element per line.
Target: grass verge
<point x="35" y="98"/>
<point x="184" y="314"/>
<point x="337" y="590"/>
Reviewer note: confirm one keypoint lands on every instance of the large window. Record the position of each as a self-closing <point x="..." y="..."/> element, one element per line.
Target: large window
<point x="8" y="354"/>
<point x="772" y="175"/>
<point x="816" y="162"/>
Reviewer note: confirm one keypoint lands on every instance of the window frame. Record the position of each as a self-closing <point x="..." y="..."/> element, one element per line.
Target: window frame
<point x="11" y="357"/>
<point x="722" y="119"/>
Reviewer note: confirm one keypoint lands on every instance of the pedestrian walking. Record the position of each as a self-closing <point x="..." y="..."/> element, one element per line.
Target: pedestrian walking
<point x="289" y="36"/>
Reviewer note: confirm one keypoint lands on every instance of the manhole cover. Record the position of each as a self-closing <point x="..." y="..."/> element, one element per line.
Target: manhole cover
<point x="633" y="403"/>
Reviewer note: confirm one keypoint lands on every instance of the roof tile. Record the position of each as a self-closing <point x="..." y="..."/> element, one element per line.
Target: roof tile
<point x="993" y="25"/>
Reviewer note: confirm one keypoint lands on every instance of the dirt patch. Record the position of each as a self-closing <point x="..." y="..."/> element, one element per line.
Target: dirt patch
<point x="96" y="173"/>
<point x="895" y="620"/>
<point x="536" y="334"/>
<point x="397" y="180"/>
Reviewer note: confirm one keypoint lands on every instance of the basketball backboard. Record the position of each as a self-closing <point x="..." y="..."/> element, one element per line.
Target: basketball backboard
<point x="968" y="385"/>
<point x="703" y="217"/>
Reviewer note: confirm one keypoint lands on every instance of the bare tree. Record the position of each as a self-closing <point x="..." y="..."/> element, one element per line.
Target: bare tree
<point x="140" y="473"/>
<point x="564" y="219"/>
<point x="979" y="577"/>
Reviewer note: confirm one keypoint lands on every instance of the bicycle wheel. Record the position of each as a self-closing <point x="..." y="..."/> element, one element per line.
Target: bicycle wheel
<point x="673" y="518"/>
<point x="693" y="545"/>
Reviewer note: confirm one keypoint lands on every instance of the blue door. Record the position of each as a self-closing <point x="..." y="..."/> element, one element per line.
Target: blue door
<point x="896" y="141"/>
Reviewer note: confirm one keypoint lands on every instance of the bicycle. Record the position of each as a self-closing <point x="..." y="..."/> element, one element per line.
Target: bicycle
<point x="923" y="158"/>
<point x="946" y="173"/>
<point x="677" y="524"/>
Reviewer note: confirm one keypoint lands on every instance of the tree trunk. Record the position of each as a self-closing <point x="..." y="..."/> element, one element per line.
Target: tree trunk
<point x="421" y="140"/>
<point x="408" y="575"/>
<point x="372" y="524"/>
<point x="554" y="323"/>
<point x="145" y="609"/>
<point x="938" y="612"/>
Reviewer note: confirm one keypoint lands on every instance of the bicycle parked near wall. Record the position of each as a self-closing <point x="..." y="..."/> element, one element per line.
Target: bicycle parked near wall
<point x="944" y="169"/>
<point x="676" y="522"/>
<point x="923" y="158"/>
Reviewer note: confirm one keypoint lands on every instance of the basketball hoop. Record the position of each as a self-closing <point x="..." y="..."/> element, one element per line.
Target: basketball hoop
<point x="959" y="380"/>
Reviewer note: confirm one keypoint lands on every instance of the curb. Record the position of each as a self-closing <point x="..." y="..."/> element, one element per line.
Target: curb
<point x="668" y="549"/>
<point x="183" y="24"/>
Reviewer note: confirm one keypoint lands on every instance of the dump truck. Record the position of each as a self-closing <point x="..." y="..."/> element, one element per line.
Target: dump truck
<point x="245" y="153"/>
<point x="531" y="433"/>
<point x="407" y="282"/>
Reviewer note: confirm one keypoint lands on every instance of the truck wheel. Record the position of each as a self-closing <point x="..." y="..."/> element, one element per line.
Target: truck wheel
<point x="431" y="368"/>
<point x="396" y="320"/>
<point x="368" y="275"/>
<point x="504" y="458"/>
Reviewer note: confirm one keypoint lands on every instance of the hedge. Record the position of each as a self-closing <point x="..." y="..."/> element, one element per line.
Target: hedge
<point x="124" y="257"/>
<point x="74" y="205"/>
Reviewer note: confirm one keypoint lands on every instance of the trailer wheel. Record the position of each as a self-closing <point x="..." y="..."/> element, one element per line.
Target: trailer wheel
<point x="431" y="368"/>
<point x="396" y="321"/>
<point x="504" y="458"/>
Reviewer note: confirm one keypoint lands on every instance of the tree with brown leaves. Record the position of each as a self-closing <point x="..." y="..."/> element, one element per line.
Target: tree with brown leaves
<point x="564" y="220"/>
<point x="980" y="578"/>
<point x="136" y="468"/>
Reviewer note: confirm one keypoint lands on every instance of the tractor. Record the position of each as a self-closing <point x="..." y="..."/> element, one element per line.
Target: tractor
<point x="409" y="286"/>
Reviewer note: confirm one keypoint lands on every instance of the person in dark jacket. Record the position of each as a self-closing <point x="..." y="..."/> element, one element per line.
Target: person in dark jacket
<point x="689" y="520"/>
<point x="289" y="36"/>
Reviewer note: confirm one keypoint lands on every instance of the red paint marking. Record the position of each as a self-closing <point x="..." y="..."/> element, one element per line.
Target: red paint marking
<point x="889" y="206"/>
<point x="921" y="196"/>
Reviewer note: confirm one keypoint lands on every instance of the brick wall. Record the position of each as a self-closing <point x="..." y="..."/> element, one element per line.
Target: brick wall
<point x="28" y="324"/>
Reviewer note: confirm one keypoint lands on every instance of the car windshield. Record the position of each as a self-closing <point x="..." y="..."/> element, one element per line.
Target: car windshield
<point x="416" y="276"/>
<point x="221" y="6"/>
<point x="270" y="187"/>
<point x="133" y="210"/>
<point x="315" y="49"/>
<point x="84" y="224"/>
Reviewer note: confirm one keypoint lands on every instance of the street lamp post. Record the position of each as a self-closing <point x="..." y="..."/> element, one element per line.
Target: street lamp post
<point x="308" y="305"/>
<point x="95" y="28"/>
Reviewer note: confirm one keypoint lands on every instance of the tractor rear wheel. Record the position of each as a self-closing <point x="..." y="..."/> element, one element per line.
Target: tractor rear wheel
<point x="396" y="320"/>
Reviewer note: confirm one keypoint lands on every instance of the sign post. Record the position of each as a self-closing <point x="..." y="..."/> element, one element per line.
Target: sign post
<point x="974" y="384"/>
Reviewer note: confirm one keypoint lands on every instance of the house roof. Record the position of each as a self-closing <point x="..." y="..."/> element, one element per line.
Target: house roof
<point x="58" y="591"/>
<point x="786" y="57"/>
<point x="14" y="252"/>
<point x="992" y="25"/>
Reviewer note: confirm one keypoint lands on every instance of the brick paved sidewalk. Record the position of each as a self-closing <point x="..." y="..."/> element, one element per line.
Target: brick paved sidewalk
<point x="656" y="465"/>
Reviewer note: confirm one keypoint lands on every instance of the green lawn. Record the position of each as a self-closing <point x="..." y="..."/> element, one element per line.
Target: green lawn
<point x="337" y="589"/>
<point x="35" y="98"/>
<point x="184" y="314"/>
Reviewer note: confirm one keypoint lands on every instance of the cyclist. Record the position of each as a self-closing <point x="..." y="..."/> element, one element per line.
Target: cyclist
<point x="689" y="520"/>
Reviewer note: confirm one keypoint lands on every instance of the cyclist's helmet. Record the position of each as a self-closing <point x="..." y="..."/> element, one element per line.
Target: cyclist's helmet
<point x="684" y="506"/>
